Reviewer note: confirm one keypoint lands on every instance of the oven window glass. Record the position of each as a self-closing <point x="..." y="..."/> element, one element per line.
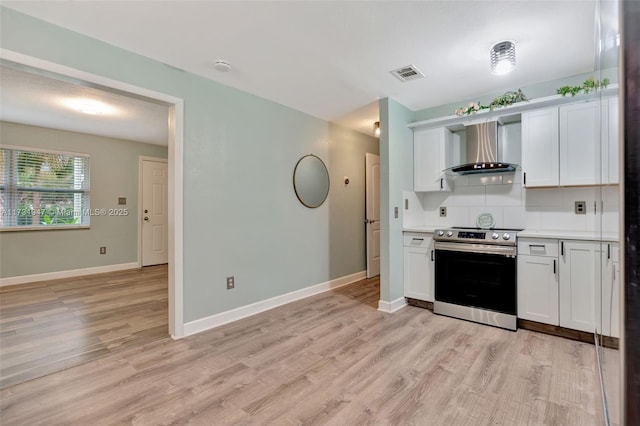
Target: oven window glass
<point x="485" y="281"/>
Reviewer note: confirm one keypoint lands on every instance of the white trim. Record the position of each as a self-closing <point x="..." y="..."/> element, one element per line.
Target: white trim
<point x="393" y="306"/>
<point x="141" y="159"/>
<point x="175" y="160"/>
<point x="222" y="318"/>
<point x="26" y="279"/>
<point x="43" y="150"/>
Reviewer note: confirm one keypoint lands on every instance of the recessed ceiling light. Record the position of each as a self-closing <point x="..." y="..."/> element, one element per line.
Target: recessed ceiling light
<point x="88" y="106"/>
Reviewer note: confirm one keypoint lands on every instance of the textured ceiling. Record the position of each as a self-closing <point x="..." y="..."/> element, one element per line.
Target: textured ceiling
<point x="332" y="59"/>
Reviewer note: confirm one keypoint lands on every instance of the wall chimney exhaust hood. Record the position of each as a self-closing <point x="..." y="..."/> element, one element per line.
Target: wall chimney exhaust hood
<point x="484" y="151"/>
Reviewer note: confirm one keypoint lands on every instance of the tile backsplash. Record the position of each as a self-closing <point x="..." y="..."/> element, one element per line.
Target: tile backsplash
<point x="513" y="206"/>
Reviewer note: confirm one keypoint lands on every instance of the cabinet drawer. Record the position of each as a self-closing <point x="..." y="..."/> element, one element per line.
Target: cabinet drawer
<point x="538" y="247"/>
<point x="417" y="239"/>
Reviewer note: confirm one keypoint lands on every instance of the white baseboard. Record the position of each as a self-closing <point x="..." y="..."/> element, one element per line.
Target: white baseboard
<point x="391" y="307"/>
<point x="222" y="318"/>
<point x="25" y="279"/>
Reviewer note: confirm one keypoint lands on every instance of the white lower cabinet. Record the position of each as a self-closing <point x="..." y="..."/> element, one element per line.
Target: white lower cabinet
<point x="611" y="291"/>
<point x="579" y="284"/>
<point x="538" y="281"/>
<point x="573" y="284"/>
<point x="418" y="266"/>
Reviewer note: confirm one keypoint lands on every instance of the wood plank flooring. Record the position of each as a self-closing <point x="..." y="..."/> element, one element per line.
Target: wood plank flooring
<point x="51" y="325"/>
<point x="329" y="359"/>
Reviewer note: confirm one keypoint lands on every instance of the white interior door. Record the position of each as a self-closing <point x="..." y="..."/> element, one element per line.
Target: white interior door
<point x="372" y="163"/>
<point x="155" y="244"/>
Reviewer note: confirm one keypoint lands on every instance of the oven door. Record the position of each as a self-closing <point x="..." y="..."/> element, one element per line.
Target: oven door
<point x="481" y="277"/>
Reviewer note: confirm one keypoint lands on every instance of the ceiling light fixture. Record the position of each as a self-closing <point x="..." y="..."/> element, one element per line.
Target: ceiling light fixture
<point x="503" y="57"/>
<point x="88" y="106"/>
<point x="376" y="128"/>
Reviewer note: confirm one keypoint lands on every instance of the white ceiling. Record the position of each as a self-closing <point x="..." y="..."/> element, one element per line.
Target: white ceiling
<point x="332" y="59"/>
<point x="38" y="100"/>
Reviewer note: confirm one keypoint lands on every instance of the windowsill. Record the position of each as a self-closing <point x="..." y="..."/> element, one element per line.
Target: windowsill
<point x="44" y="228"/>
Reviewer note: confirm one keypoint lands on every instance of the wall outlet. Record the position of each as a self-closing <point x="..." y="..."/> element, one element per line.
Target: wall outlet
<point x="581" y="207"/>
<point x="443" y="212"/>
<point x="231" y="282"/>
<point x="103" y="250"/>
<point x="122" y="201"/>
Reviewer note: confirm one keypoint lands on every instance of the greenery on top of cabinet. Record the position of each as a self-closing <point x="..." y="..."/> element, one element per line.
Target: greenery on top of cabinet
<point x="588" y="86"/>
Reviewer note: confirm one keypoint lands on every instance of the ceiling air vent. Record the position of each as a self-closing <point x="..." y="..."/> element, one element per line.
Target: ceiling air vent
<point x="407" y="73"/>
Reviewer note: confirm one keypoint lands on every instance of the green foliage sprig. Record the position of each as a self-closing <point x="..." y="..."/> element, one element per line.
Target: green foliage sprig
<point x="588" y="86"/>
<point x="507" y="99"/>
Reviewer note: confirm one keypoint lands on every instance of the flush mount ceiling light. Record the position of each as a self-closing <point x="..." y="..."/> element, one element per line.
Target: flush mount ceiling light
<point x="88" y="106"/>
<point x="376" y="128"/>
<point x="503" y="57"/>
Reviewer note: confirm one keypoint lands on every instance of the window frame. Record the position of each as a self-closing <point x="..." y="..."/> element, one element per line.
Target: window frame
<point x="11" y="190"/>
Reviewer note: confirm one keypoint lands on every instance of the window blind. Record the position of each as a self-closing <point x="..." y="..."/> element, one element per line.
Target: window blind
<point x="43" y="189"/>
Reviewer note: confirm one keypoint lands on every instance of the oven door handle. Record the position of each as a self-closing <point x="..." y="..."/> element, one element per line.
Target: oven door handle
<point x="509" y="251"/>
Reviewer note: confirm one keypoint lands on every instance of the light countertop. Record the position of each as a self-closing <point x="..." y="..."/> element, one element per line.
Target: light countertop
<point x="568" y="235"/>
<point x="421" y="228"/>
<point x="534" y="233"/>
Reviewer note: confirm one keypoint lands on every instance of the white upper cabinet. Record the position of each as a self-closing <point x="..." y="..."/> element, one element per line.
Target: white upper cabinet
<point x="540" y="153"/>
<point x="580" y="133"/>
<point x="432" y="149"/>
<point x="610" y="155"/>
<point x="571" y="145"/>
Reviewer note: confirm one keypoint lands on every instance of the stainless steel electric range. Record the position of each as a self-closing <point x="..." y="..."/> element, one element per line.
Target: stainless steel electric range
<point x="475" y="275"/>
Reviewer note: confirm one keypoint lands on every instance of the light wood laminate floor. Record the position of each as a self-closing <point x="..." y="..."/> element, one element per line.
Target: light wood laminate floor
<point x="328" y="359"/>
<point x="51" y="325"/>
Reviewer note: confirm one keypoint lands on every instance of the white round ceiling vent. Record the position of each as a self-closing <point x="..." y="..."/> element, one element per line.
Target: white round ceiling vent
<point x="222" y="66"/>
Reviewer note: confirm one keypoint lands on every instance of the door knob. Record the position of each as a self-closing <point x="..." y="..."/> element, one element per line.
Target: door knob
<point x="146" y="218"/>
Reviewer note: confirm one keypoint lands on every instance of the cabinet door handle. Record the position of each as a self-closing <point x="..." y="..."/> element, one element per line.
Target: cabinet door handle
<point x="561" y="248"/>
<point x="608" y="251"/>
<point x="441" y="183"/>
<point x="524" y="178"/>
<point x="554" y="266"/>
<point x="432" y="255"/>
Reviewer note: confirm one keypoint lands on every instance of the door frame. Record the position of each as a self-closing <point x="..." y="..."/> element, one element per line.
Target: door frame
<point x="175" y="164"/>
<point x="368" y="226"/>
<point x="141" y="159"/>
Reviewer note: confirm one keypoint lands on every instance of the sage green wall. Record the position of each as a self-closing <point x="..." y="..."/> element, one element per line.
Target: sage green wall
<point x="538" y="90"/>
<point x="347" y="232"/>
<point x="241" y="216"/>
<point x="396" y="175"/>
<point x="114" y="173"/>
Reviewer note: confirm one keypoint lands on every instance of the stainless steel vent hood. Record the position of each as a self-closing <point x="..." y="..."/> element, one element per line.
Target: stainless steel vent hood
<point x="484" y="150"/>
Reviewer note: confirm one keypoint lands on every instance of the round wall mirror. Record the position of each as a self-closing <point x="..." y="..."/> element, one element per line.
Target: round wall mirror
<point x="311" y="181"/>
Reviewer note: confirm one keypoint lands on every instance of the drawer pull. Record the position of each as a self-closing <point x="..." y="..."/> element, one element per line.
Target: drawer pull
<point x="418" y="239"/>
<point x="536" y="245"/>
<point x="554" y="266"/>
<point x="432" y="251"/>
<point x="561" y="248"/>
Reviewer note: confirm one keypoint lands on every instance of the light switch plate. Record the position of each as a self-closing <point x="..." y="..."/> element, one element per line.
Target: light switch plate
<point x="395" y="212"/>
